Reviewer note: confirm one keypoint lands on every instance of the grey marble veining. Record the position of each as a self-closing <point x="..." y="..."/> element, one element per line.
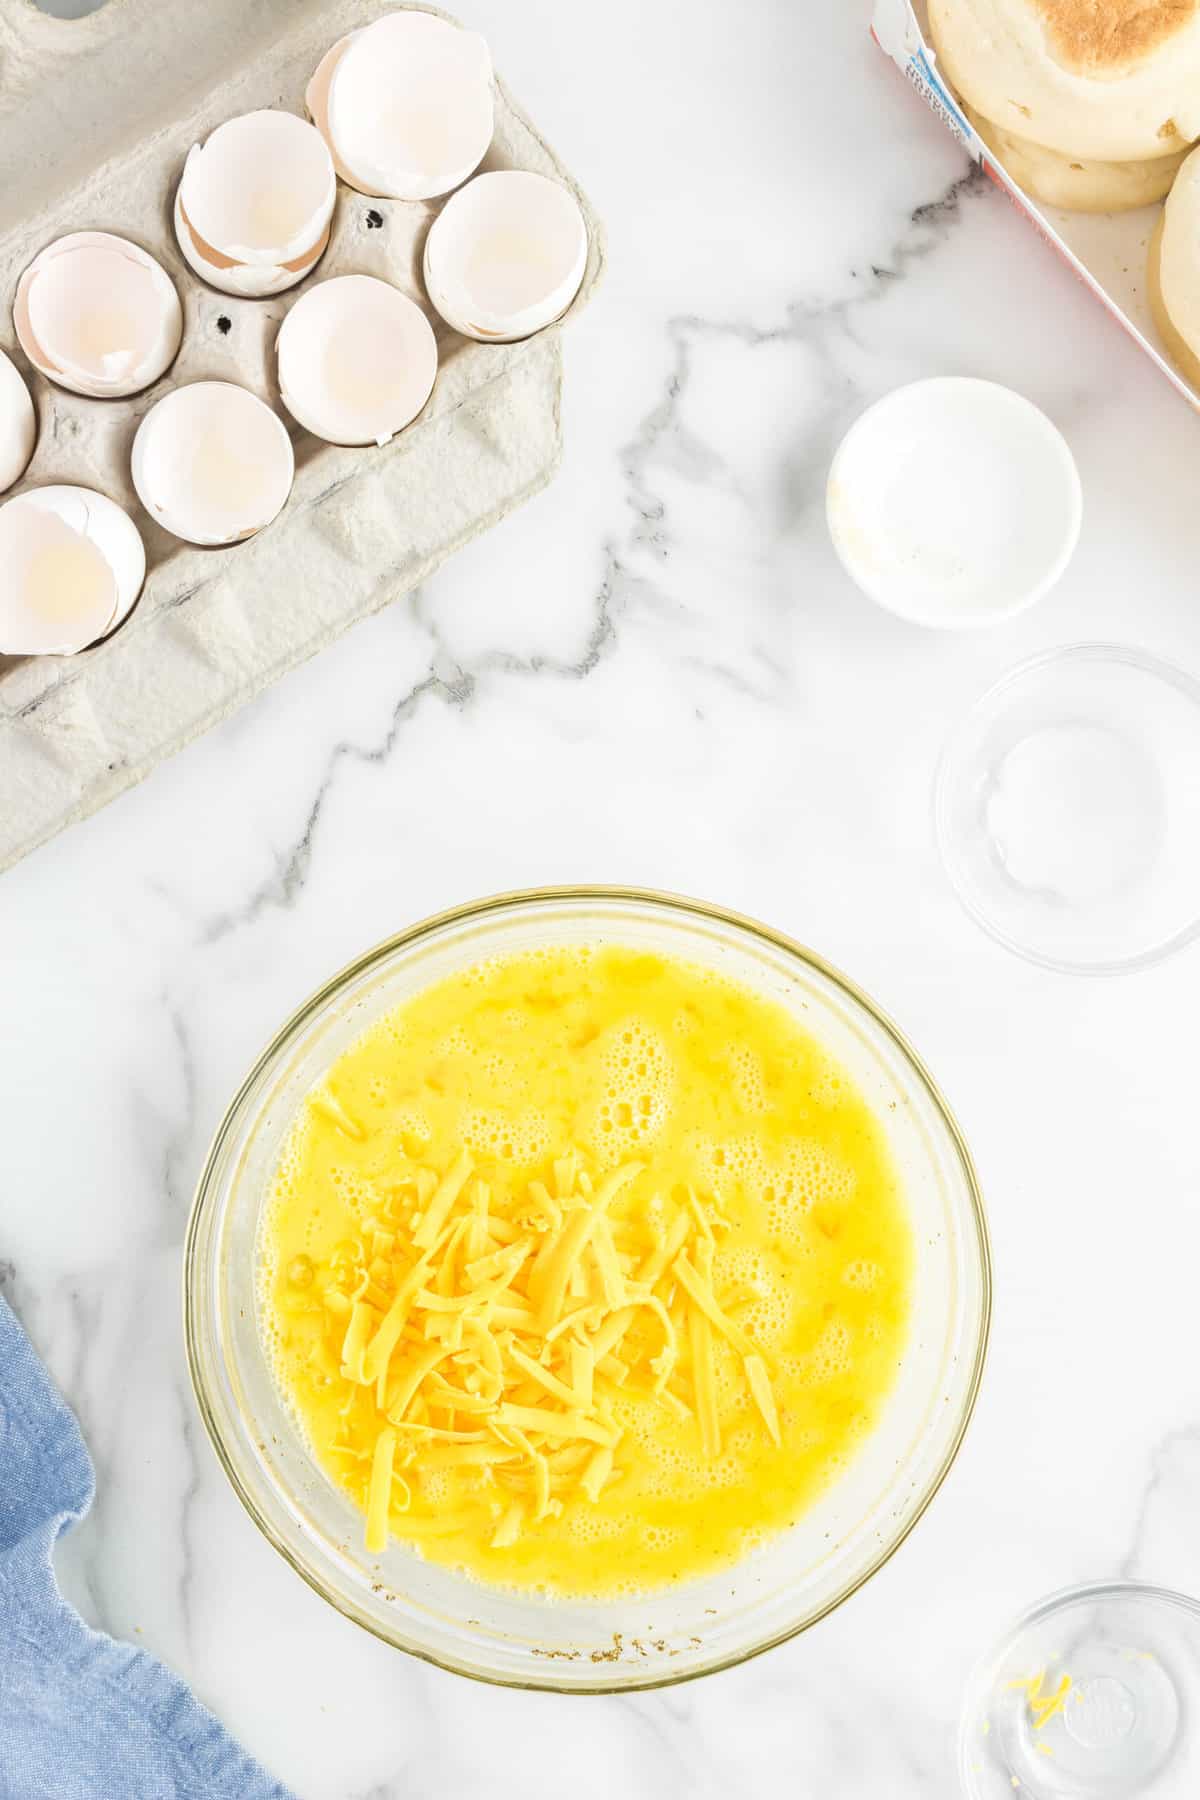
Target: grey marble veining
<point x="656" y="674"/>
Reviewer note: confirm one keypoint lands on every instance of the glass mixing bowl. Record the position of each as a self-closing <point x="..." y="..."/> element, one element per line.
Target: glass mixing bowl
<point x="591" y="1646"/>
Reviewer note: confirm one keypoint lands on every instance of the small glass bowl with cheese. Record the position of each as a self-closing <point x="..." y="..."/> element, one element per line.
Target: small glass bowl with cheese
<point x="521" y="1638"/>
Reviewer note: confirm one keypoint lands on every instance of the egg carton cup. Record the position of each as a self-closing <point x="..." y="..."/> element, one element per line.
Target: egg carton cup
<point x="1109" y="252"/>
<point x="96" y="118"/>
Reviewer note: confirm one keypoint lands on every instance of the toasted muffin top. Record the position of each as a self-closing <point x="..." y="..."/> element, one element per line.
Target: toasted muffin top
<point x="1099" y="37"/>
<point x="1109" y="80"/>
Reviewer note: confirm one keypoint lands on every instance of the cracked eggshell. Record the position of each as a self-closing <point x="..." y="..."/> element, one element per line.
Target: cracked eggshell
<point x="212" y="463"/>
<point x="357" y="360"/>
<point x="18" y="424"/>
<point x="406" y="106"/>
<point x="71" y="566"/>
<point x="254" y="204"/>
<point x="97" y="315"/>
<point x="505" y="257"/>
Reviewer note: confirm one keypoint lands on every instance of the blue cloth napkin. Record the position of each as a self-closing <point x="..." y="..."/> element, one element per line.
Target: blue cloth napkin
<point x="81" y="1716"/>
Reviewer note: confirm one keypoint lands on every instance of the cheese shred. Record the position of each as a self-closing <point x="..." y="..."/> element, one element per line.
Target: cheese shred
<point x="379" y="1494"/>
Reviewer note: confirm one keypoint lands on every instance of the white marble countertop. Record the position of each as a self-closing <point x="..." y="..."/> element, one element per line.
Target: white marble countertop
<point x="655" y="674"/>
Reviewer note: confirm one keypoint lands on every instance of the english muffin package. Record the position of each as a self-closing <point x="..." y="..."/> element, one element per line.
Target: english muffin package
<point x="1109" y="251"/>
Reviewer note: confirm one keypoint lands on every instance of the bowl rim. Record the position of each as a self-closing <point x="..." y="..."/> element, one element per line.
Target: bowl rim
<point x="206" y="1197"/>
<point x="1083" y="650"/>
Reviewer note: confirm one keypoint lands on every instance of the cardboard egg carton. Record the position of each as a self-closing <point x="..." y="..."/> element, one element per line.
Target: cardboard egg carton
<point x="96" y="118"/>
<point x="1108" y="252"/>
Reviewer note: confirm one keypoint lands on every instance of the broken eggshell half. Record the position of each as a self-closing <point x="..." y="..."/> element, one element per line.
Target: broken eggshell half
<point x="357" y="360"/>
<point x="212" y="463"/>
<point x="406" y="105"/>
<point x="97" y="315"/>
<point x="254" y="203"/>
<point x="71" y="566"/>
<point x="18" y="424"/>
<point x="506" y="255"/>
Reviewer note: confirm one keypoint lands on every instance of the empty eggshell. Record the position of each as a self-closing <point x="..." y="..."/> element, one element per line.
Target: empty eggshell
<point x="253" y="206"/>
<point x="405" y="105"/>
<point x="506" y="255"/>
<point x="97" y="315"/>
<point x="212" y="463"/>
<point x="18" y="426"/>
<point x="72" y="566"/>
<point x="357" y="360"/>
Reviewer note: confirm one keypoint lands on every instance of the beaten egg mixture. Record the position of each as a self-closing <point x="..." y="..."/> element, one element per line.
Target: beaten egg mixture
<point x="585" y="1271"/>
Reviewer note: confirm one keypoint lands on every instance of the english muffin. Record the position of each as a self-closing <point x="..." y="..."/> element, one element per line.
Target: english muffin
<point x="1081" y="184"/>
<point x="1097" y="80"/>
<point x="1174" y="272"/>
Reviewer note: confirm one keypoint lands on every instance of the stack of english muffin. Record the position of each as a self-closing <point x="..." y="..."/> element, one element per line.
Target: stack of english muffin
<point x="1093" y="105"/>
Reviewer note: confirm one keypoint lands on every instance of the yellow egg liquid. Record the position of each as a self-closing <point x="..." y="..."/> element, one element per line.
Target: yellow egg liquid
<point x="587" y="1111"/>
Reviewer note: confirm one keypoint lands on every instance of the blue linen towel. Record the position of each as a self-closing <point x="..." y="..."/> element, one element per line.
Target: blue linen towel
<point x="83" y="1717"/>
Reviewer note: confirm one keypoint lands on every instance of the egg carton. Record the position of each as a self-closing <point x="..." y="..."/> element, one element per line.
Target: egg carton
<point x="96" y="118"/>
<point x="1107" y="252"/>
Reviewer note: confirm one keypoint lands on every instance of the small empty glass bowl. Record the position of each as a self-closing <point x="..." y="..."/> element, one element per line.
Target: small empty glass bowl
<point x="1068" y="809"/>
<point x="1092" y="1696"/>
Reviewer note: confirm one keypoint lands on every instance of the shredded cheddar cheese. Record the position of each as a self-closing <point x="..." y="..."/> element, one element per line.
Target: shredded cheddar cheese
<point x="530" y="1385"/>
<point x="1043" y="1705"/>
